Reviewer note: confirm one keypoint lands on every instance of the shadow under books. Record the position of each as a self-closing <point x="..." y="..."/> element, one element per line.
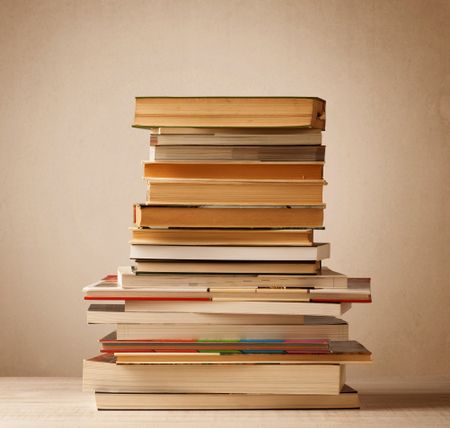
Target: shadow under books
<point x="384" y="401"/>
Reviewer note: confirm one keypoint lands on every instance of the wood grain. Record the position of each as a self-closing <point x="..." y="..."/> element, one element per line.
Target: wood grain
<point x="59" y="402"/>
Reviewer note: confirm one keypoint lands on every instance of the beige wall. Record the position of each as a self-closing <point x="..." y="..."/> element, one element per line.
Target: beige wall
<point x="70" y="164"/>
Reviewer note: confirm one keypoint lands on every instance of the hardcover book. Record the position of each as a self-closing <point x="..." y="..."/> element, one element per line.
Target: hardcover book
<point x="246" y="112"/>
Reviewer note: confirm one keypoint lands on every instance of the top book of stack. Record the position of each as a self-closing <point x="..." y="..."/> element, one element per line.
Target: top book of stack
<point x="226" y="112"/>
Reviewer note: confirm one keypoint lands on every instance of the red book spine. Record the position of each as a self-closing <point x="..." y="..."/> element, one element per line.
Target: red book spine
<point x="157" y="299"/>
<point x="175" y="351"/>
<point x="340" y="301"/>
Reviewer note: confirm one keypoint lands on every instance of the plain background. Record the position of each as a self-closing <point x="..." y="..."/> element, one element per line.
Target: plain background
<point x="70" y="164"/>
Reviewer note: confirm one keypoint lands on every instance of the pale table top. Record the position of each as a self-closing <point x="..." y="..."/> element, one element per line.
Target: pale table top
<point x="59" y="402"/>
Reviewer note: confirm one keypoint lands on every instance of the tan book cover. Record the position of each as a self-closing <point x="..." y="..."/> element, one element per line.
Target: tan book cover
<point x="246" y="112"/>
<point x="234" y="192"/>
<point x="211" y="216"/>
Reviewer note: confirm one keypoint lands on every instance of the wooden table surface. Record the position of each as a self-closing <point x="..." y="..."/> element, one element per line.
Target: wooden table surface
<point x="59" y="402"/>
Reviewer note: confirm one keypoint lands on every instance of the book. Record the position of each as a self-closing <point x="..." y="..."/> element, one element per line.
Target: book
<point x="191" y="236"/>
<point x="268" y="137"/>
<point x="129" y="280"/>
<point x="233" y="358"/>
<point x="230" y="268"/>
<point x="235" y="153"/>
<point x="314" y="252"/>
<point x="234" y="171"/>
<point x="234" y="192"/>
<point x="359" y="356"/>
<point x="242" y="351"/>
<point x="211" y="216"/>
<point x="132" y="277"/>
<point x="244" y="347"/>
<point x="161" y="325"/>
<point x="250" y="112"/>
<point x="232" y="132"/>
<point x="101" y="373"/>
<point x="224" y="326"/>
<point x="347" y="399"/>
<point x="239" y="307"/>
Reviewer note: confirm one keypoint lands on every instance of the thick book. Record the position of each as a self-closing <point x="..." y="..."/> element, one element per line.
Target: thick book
<point x="216" y="153"/>
<point x="101" y="373"/>
<point x="211" y="216"/>
<point x="315" y="252"/>
<point x="197" y="236"/>
<point x="247" y="112"/>
<point x="239" y="307"/>
<point x="234" y="192"/>
<point x="234" y="171"/>
<point x="246" y="137"/>
<point x="347" y="399"/>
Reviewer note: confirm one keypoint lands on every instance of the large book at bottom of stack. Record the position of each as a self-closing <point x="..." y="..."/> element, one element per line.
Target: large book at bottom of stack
<point x="347" y="399"/>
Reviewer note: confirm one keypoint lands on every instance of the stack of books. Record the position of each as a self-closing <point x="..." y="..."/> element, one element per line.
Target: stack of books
<point x="228" y="304"/>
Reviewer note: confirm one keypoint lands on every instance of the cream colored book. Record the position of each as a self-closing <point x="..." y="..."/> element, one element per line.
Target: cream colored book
<point x="144" y="280"/>
<point x="161" y="191"/>
<point x="258" y="308"/>
<point x="347" y="399"/>
<point x="101" y="373"/>
<point x="246" y="112"/>
<point x="314" y="252"/>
